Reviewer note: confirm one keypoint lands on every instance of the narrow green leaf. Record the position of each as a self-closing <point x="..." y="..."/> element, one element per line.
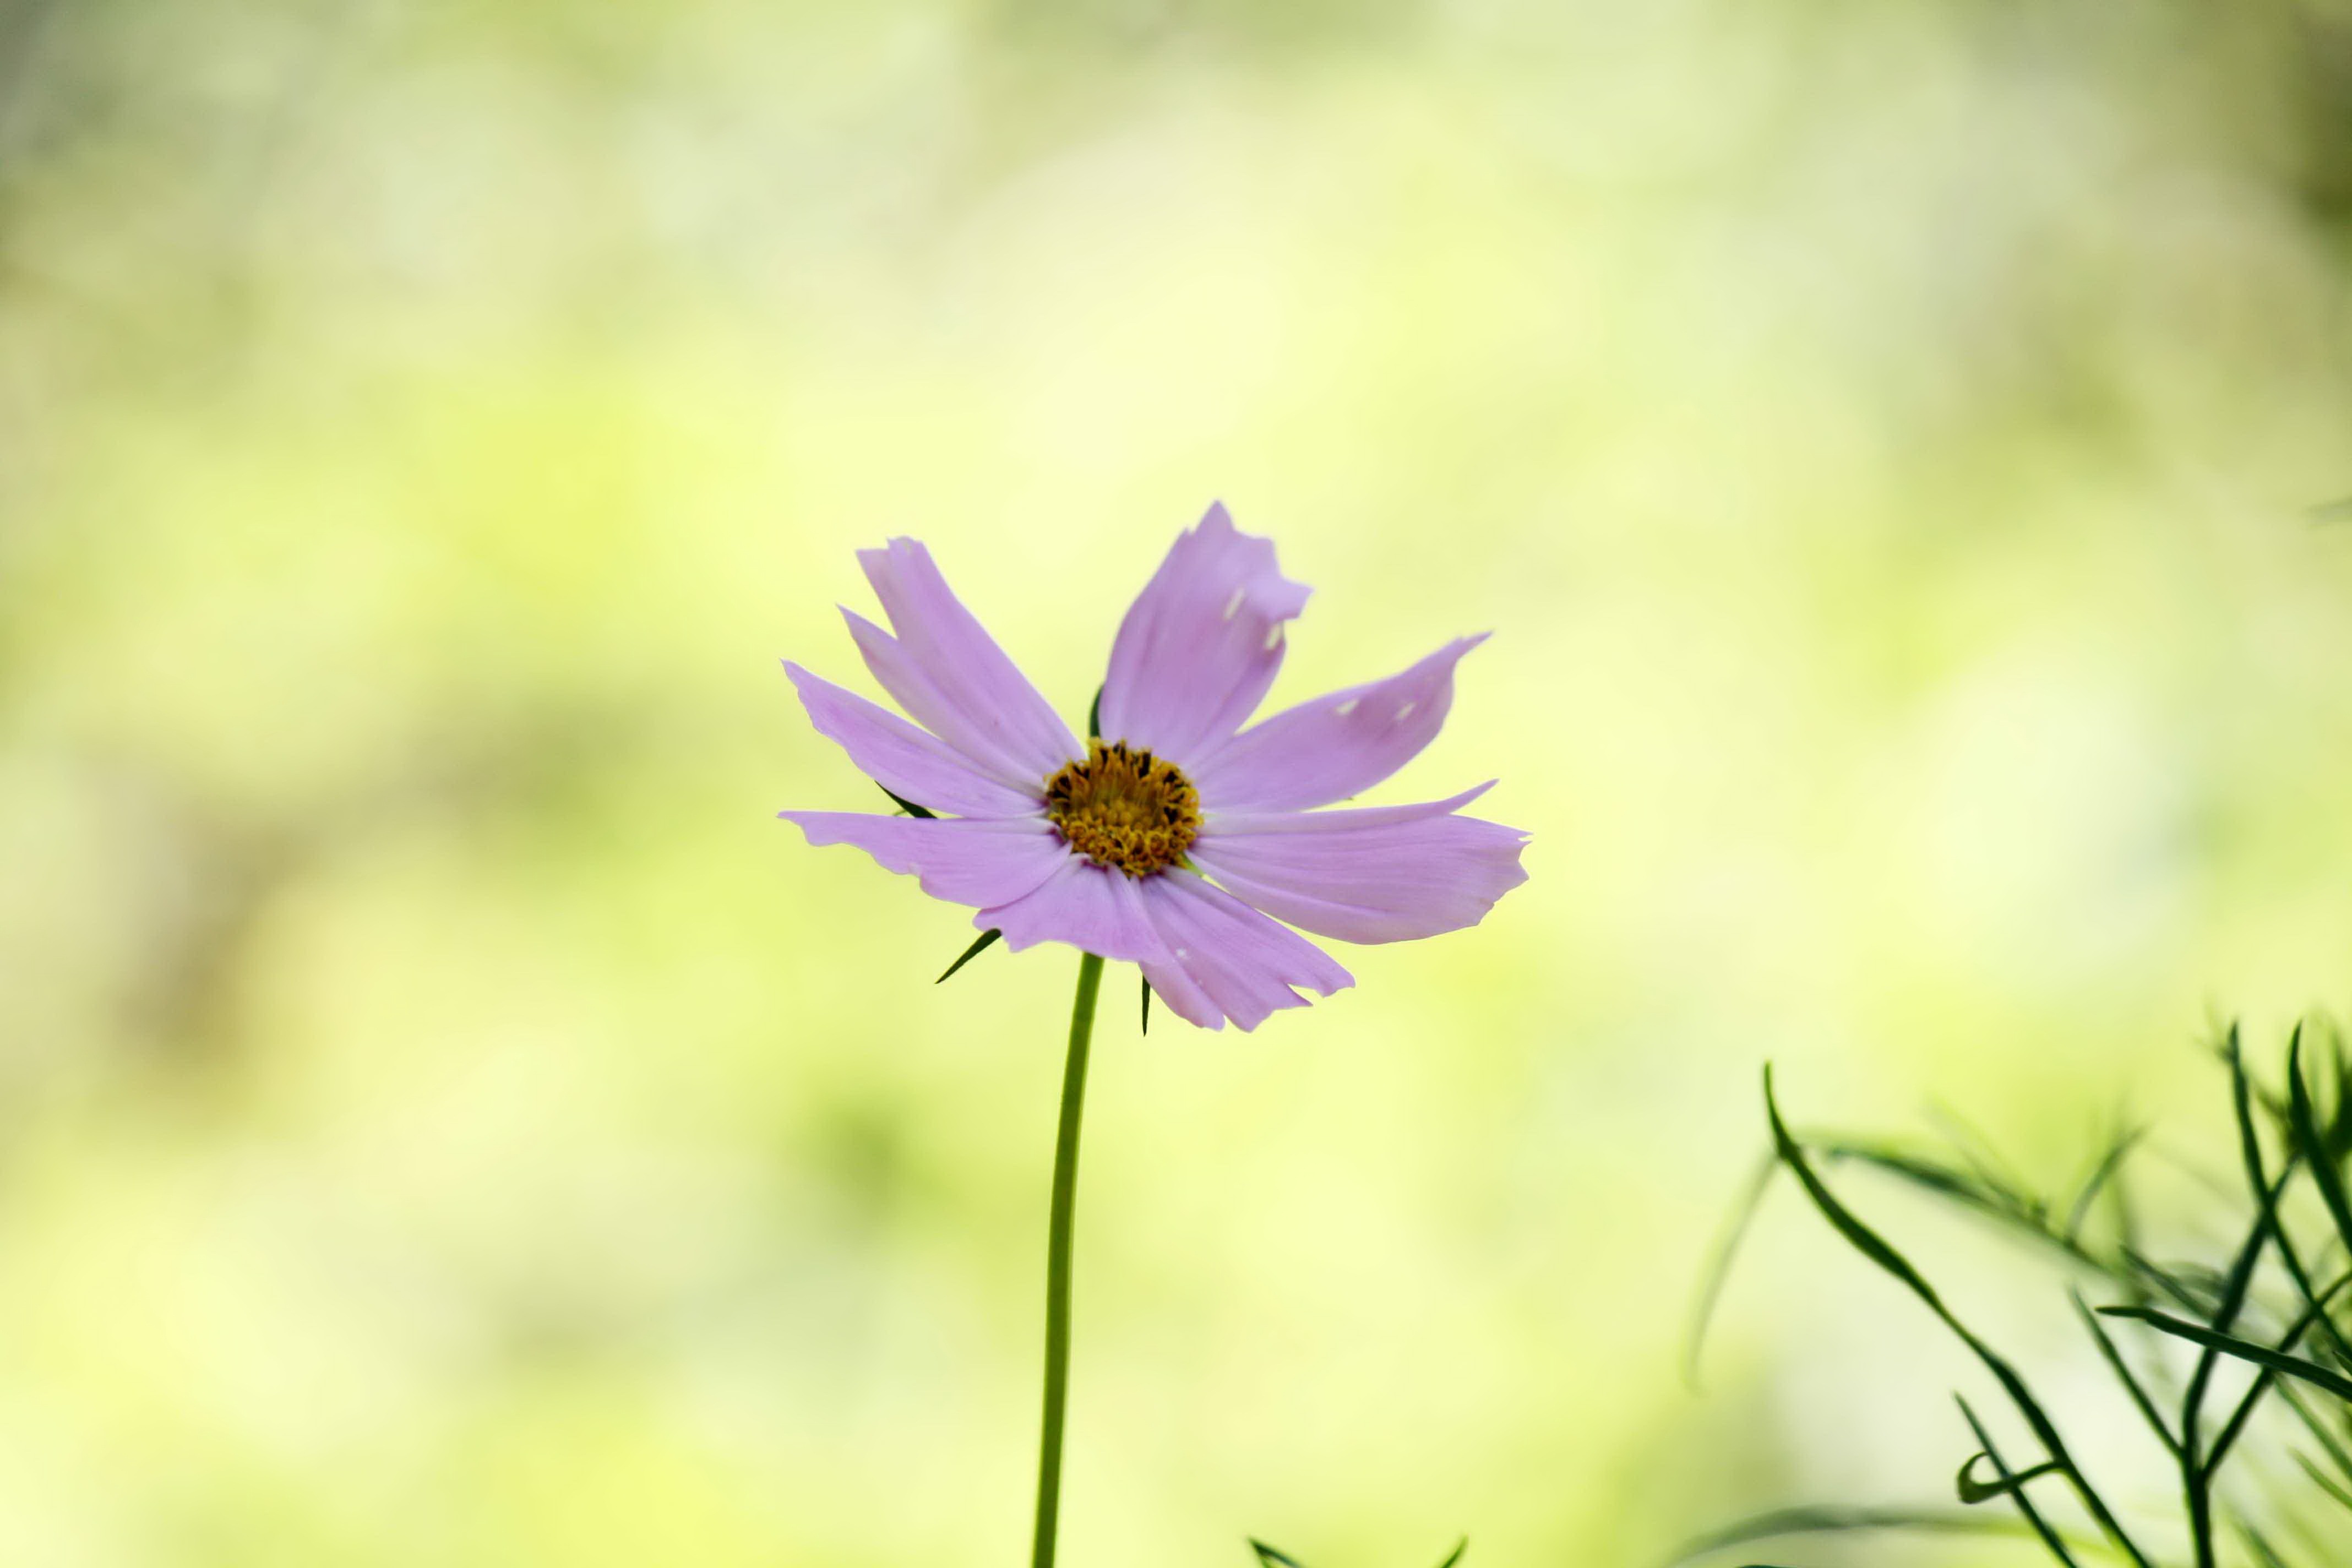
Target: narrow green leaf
<point x="1454" y="1556"/>
<point x="2241" y="1277"/>
<point x="1720" y="1258"/>
<point x="2138" y="1277"/>
<point x="1980" y="1193"/>
<point x="974" y="950"/>
<point x="2292" y="1366"/>
<point x="2181" y="1283"/>
<point x="2339" y="1119"/>
<point x="2325" y="1173"/>
<point x="2322" y="1480"/>
<point x="2110" y="1164"/>
<point x="1969" y="1187"/>
<point x="2265" y="1554"/>
<point x="1858" y="1236"/>
<point x="2266" y="1379"/>
<point x="1973" y="1491"/>
<point x="1873" y="1247"/>
<point x="2267" y="1197"/>
<point x="1147" y="1005"/>
<point x="909" y="806"/>
<point x="2196" y="1468"/>
<point x="2014" y="1485"/>
<point x="1983" y="1156"/>
<point x="1094" y="717"/>
<point x="1843" y="1520"/>
<point x="2317" y="1425"/>
<point x="2114" y="1357"/>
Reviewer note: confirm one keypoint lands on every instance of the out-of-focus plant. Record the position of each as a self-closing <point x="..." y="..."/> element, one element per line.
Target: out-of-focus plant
<point x="2165" y="1331"/>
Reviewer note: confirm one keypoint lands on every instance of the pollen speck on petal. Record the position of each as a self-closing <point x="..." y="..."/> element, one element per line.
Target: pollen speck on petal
<point x="1334" y="746"/>
<point x="1236" y="961"/>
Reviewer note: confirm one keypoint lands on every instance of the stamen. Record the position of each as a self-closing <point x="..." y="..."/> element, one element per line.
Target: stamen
<point x="1124" y="808"/>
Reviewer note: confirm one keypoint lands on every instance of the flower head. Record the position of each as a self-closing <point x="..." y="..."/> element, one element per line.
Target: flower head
<point x="1177" y="839"/>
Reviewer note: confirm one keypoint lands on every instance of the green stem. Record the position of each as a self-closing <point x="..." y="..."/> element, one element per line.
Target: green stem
<point x="1057" y="1261"/>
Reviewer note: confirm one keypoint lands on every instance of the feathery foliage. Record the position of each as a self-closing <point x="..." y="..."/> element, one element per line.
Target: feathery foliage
<point x="2270" y="1319"/>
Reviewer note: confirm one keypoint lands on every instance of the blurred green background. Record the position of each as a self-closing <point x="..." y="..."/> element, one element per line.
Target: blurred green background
<point x="445" y="1120"/>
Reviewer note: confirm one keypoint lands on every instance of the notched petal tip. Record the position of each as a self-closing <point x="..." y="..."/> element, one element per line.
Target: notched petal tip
<point x="896" y="547"/>
<point x="1198" y="649"/>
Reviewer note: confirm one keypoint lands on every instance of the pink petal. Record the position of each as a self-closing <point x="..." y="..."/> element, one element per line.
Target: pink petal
<point x="955" y="679"/>
<point x="1335" y="746"/>
<point x="1090" y="907"/>
<point x="1229" y="824"/>
<point x="1226" y="958"/>
<point x="1201" y="644"/>
<point x="1380" y="881"/>
<point x="1183" y="995"/>
<point x="971" y="861"/>
<point x="904" y="759"/>
<point x="904" y="677"/>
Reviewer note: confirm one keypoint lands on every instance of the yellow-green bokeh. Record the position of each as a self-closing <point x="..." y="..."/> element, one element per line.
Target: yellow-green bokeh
<point x="445" y="1120"/>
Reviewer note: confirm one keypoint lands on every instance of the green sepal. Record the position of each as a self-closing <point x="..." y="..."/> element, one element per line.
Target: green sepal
<point x="974" y="950"/>
<point x="1269" y="1558"/>
<point x="909" y="806"/>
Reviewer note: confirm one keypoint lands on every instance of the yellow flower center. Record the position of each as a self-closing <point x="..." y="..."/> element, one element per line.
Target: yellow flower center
<point x="1124" y="808"/>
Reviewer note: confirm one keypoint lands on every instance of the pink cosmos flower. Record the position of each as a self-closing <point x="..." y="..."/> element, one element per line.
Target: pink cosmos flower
<point x="1180" y="840"/>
